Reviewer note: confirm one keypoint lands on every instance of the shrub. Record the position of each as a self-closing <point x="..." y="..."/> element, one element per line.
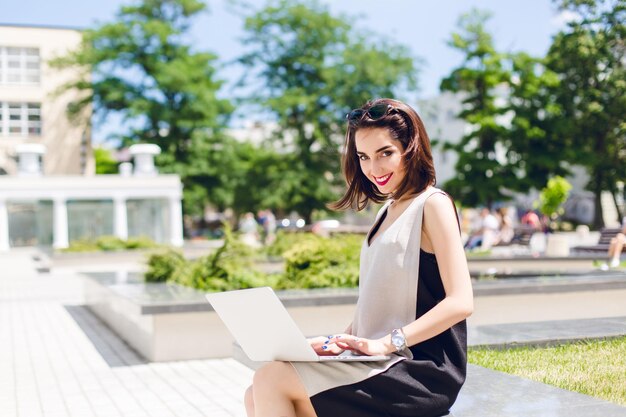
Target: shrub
<point x="323" y="262"/>
<point x="109" y="243"/>
<point x="228" y="268"/>
<point x="553" y="196"/>
<point x="285" y="241"/>
<point x="82" y="245"/>
<point x="161" y="265"/>
<point x="140" y="242"/>
<point x="311" y="262"/>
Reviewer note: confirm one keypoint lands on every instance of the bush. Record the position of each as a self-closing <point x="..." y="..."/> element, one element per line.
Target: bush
<point x="109" y="243"/>
<point x="140" y="242"/>
<point x="323" y="262"/>
<point x="287" y="240"/>
<point x="162" y="265"/>
<point x="228" y="268"/>
<point x="82" y="245"/>
<point x="553" y="196"/>
<point x="311" y="262"/>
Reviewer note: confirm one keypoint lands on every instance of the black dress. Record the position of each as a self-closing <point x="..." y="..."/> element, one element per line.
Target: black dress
<point x="425" y="386"/>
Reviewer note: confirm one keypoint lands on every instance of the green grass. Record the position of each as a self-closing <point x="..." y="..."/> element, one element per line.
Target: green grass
<point x="596" y="368"/>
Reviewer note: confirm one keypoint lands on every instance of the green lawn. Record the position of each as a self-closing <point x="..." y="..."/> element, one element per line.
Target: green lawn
<point x="596" y="368"/>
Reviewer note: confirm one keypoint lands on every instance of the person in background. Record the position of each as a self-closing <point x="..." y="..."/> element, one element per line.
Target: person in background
<point x="488" y="232"/>
<point x="248" y="227"/>
<point x="530" y="218"/>
<point x="615" y="249"/>
<point x="506" y="231"/>
<point x="268" y="223"/>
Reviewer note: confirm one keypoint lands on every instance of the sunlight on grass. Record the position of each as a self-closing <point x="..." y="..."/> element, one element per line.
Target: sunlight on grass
<point x="596" y="368"/>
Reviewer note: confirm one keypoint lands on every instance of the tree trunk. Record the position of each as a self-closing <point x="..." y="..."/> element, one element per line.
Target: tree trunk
<point x="620" y="215"/>
<point x="598" y="220"/>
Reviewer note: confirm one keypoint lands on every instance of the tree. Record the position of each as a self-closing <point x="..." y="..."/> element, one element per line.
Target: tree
<point x="589" y="58"/>
<point x="312" y="68"/>
<point x="142" y="67"/>
<point x="552" y="197"/>
<point x="533" y="142"/>
<point x="105" y="163"/>
<point x="483" y="171"/>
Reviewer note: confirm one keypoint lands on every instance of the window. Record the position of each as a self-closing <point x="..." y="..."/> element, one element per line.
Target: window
<point x="19" y="65"/>
<point x="20" y="119"/>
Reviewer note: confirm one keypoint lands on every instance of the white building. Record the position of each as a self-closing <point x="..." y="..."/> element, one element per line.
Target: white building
<point x="49" y="194"/>
<point x="31" y="108"/>
<point x="55" y="210"/>
<point x="439" y="115"/>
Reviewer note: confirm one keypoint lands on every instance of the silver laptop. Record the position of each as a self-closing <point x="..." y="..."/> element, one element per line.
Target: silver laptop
<point x="265" y="330"/>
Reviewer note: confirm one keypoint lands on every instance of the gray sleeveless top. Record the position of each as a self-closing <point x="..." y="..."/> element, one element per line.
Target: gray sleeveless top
<point x="387" y="297"/>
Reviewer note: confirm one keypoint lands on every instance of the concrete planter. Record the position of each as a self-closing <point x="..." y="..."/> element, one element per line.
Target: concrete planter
<point x="557" y="246"/>
<point x="166" y="322"/>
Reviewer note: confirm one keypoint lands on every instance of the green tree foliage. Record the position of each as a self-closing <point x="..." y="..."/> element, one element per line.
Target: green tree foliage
<point x="308" y="68"/>
<point x="483" y="173"/>
<point x="533" y="144"/>
<point x="589" y="57"/>
<point x="105" y="164"/>
<point x="552" y="197"/>
<point x="142" y="67"/>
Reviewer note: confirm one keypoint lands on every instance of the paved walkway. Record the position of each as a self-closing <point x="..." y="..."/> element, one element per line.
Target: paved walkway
<point x="58" y="360"/>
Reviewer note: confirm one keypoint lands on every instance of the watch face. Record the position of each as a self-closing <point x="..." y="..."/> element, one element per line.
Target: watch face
<point x="397" y="339"/>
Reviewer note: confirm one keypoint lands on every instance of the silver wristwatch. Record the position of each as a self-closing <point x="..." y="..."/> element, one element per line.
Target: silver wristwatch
<point x="398" y="339"/>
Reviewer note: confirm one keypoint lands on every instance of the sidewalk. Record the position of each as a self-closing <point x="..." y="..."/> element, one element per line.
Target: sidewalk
<point x="58" y="360"/>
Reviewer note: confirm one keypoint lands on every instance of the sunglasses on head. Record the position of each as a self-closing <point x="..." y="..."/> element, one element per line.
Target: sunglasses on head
<point x="375" y="112"/>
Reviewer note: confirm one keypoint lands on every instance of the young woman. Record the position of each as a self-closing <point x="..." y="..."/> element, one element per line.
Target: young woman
<point x="414" y="288"/>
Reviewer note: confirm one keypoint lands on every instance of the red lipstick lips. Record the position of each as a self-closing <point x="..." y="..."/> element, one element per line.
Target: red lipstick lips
<point x="383" y="180"/>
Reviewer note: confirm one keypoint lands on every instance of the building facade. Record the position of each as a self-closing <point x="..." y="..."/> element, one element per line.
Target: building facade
<point x="32" y="109"/>
<point x="54" y="210"/>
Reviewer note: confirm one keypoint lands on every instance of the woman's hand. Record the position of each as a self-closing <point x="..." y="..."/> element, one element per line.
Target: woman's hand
<point x="324" y="349"/>
<point x="361" y="346"/>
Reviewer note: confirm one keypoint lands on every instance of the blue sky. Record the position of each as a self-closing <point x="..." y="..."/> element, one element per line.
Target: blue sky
<point x="423" y="26"/>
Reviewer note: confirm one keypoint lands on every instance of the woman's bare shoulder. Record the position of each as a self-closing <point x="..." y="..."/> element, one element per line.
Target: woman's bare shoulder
<point x="438" y="209"/>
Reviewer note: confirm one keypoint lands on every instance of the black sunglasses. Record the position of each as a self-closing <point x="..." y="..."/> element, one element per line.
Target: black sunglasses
<point x="375" y="112"/>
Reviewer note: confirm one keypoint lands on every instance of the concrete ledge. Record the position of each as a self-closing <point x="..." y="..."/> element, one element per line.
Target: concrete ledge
<point x="489" y="393"/>
<point x="166" y="322"/>
<point x="545" y="333"/>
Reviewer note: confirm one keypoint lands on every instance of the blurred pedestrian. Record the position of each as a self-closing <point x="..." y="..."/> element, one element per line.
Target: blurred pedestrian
<point x="530" y="218"/>
<point x="267" y="220"/>
<point x="249" y="229"/>
<point x="506" y="231"/>
<point x="487" y="232"/>
<point x="615" y="249"/>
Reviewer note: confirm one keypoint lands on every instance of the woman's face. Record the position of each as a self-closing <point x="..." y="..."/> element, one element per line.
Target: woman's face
<point x="380" y="157"/>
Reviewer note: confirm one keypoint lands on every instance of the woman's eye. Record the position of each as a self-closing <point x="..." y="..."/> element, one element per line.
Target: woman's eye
<point x="363" y="157"/>
<point x="387" y="153"/>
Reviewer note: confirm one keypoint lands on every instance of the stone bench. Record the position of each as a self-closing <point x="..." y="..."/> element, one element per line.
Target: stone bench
<point x="165" y="322"/>
<point x="489" y="393"/>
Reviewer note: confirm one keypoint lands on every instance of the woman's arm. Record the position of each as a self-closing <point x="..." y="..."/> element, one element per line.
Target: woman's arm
<point x="441" y="227"/>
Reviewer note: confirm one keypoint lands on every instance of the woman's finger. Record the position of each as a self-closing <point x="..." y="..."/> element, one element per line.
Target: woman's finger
<point x="331" y="349"/>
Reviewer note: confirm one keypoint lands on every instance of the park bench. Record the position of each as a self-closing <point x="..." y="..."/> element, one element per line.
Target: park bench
<point x="606" y="234"/>
<point x="521" y="236"/>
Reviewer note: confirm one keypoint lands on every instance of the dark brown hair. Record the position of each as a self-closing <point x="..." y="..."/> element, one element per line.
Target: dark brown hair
<point x="404" y="125"/>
